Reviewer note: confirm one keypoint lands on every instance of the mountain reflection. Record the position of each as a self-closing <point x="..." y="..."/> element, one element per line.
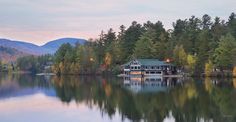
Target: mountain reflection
<point x="186" y="100"/>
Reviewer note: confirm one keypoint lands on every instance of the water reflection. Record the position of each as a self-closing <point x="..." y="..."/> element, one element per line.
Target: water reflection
<point x="151" y="84"/>
<point x="20" y="85"/>
<point x="134" y="99"/>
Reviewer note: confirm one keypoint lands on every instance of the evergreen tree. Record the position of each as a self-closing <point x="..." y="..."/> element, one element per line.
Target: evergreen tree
<point x="145" y="47"/>
<point x="131" y="36"/>
<point x="232" y="24"/>
<point x="225" y="53"/>
<point x="204" y="51"/>
<point x="61" y="52"/>
<point x="206" y="22"/>
<point x="109" y="37"/>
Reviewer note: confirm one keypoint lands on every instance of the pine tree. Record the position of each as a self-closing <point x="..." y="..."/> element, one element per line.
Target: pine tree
<point x="225" y="54"/>
<point x="145" y="47"/>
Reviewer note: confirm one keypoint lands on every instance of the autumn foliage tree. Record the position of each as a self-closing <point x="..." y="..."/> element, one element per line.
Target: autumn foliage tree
<point x="107" y="60"/>
<point x="234" y="71"/>
<point x="191" y="63"/>
<point x="208" y="68"/>
<point x="180" y="56"/>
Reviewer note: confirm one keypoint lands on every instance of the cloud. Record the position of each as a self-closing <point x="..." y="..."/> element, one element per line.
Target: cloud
<point x="89" y="17"/>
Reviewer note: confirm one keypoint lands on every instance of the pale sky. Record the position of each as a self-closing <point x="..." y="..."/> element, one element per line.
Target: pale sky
<point x="40" y="21"/>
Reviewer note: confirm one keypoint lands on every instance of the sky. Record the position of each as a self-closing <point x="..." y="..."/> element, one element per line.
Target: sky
<point x="40" y="21"/>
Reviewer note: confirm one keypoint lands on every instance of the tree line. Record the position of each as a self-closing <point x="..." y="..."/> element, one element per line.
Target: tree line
<point x="34" y="64"/>
<point x="195" y="45"/>
<point x="192" y="45"/>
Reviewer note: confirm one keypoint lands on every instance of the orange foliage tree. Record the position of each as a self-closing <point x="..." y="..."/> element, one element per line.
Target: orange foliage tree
<point x="234" y="71"/>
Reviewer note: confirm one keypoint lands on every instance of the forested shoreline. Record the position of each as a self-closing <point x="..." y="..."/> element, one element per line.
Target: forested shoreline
<point x="197" y="46"/>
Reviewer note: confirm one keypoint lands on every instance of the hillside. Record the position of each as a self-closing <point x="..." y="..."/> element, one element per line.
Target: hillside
<point x="52" y="46"/>
<point x="9" y="54"/>
<point x="22" y="46"/>
<point x="10" y="50"/>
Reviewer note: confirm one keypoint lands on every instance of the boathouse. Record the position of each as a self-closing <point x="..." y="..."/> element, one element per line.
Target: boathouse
<point x="148" y="67"/>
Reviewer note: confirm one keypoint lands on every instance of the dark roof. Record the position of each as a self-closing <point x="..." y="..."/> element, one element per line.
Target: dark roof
<point x="149" y="62"/>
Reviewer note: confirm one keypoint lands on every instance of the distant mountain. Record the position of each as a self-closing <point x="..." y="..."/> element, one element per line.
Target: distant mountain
<point x="52" y="46"/>
<point x="22" y="46"/>
<point x="10" y="50"/>
<point x="9" y="54"/>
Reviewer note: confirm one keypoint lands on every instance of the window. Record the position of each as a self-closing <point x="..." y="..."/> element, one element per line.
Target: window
<point x="127" y="67"/>
<point x="158" y="72"/>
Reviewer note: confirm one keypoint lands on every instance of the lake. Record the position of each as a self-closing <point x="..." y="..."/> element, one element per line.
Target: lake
<point x="26" y="98"/>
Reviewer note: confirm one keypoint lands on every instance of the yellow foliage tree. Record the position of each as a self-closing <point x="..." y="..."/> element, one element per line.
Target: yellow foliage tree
<point x="234" y="71"/>
<point x="191" y="61"/>
<point x="61" y="68"/>
<point x="208" y="68"/>
<point x="234" y="82"/>
<point x="179" y="56"/>
<point x="107" y="59"/>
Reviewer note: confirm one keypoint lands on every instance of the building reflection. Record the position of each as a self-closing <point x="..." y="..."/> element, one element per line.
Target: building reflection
<point x="150" y="84"/>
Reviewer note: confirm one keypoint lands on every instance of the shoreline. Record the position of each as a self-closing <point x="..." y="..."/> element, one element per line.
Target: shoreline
<point x="117" y="75"/>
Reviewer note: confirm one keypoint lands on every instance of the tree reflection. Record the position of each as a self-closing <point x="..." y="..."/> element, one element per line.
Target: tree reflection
<point x="188" y="101"/>
<point x="191" y="101"/>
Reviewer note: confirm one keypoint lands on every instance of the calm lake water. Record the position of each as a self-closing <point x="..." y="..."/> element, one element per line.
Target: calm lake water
<point x="25" y="98"/>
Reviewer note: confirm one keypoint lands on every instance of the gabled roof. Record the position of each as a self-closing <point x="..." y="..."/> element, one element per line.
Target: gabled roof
<point x="149" y="62"/>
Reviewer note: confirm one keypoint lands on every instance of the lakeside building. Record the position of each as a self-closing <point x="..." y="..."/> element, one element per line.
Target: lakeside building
<point x="148" y="67"/>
